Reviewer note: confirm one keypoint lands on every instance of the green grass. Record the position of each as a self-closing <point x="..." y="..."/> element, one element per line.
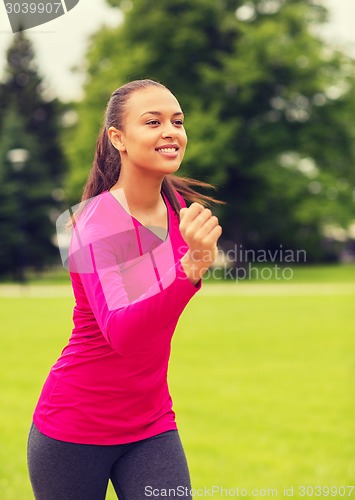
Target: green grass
<point x="331" y="273"/>
<point x="264" y="389"/>
<point x="263" y="386"/>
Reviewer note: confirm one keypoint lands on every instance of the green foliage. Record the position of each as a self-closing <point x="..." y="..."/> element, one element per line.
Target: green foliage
<point x="31" y="192"/>
<point x="268" y="109"/>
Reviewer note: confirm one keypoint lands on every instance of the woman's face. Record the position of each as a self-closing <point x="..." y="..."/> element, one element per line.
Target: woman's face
<point x="153" y="136"/>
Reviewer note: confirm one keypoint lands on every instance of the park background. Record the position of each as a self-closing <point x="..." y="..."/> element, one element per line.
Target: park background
<point x="262" y="368"/>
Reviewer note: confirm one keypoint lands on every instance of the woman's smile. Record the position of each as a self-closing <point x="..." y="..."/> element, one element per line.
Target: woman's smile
<point x="168" y="150"/>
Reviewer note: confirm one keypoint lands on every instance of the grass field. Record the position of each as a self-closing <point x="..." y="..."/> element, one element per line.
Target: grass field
<point x="263" y="384"/>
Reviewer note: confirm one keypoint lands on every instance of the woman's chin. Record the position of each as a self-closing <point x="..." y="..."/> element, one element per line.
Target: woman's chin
<point x="168" y="169"/>
<point x="174" y="169"/>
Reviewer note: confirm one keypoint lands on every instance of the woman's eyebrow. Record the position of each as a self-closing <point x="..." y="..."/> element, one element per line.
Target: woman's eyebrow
<point x="159" y="113"/>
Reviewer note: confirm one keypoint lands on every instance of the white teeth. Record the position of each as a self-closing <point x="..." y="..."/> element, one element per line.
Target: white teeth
<point x="167" y="150"/>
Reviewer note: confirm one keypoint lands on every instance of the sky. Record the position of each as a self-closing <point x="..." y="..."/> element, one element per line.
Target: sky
<point x="60" y="44"/>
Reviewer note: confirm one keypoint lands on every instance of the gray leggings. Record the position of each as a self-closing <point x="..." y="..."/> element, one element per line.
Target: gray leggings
<point x="151" y="468"/>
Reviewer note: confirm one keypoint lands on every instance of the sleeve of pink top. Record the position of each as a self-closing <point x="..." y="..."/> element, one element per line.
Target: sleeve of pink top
<point x="132" y="326"/>
<point x="127" y="323"/>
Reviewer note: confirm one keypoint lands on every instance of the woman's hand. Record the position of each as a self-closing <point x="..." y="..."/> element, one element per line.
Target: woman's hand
<point x="200" y="230"/>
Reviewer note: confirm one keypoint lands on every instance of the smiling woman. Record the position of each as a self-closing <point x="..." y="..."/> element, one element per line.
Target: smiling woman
<point x="137" y="256"/>
<point x="139" y="105"/>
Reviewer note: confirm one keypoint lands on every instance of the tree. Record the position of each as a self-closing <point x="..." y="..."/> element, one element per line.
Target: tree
<point x="31" y="195"/>
<point x="269" y="109"/>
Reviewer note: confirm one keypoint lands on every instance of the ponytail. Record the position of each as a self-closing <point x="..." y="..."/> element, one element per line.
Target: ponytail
<point x="105" y="169"/>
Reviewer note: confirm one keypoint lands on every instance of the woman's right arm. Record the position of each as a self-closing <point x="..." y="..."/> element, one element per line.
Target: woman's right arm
<point x="129" y="322"/>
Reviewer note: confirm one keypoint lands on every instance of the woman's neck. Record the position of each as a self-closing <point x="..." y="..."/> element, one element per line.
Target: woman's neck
<point x="142" y="194"/>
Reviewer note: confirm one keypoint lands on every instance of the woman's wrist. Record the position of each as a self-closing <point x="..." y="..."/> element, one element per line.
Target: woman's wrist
<point x="194" y="269"/>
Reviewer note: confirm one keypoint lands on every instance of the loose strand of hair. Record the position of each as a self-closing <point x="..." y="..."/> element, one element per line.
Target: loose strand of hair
<point x="183" y="185"/>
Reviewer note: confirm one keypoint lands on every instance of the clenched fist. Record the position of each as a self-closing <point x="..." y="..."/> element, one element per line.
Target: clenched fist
<point x="200" y="230"/>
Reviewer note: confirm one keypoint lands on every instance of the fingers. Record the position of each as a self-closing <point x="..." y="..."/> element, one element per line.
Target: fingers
<point x="182" y="213"/>
<point x="204" y="216"/>
<point x="194" y="216"/>
<point x="208" y="224"/>
<point x="197" y="223"/>
<point x="191" y="213"/>
<point x="200" y="229"/>
<point x="208" y="236"/>
<point x="197" y="219"/>
<point x="213" y="235"/>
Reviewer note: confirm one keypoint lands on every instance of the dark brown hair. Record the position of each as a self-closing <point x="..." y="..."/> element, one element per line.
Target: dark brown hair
<point x="106" y="166"/>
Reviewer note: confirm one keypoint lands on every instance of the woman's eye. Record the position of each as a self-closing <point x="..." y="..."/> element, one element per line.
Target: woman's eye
<point x="179" y="123"/>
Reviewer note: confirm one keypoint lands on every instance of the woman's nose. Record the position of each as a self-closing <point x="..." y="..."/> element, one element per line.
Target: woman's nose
<point x="168" y="131"/>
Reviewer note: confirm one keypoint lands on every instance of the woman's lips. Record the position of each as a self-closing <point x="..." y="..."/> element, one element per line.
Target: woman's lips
<point x="169" y="152"/>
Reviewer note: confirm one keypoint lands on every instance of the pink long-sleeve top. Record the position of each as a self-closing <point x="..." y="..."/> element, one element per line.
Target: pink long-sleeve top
<point x="109" y="385"/>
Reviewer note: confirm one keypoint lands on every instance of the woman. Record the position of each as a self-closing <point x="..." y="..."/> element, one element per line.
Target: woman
<point x="105" y="412"/>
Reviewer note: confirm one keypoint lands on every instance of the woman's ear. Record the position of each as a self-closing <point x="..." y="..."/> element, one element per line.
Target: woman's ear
<point x="116" y="138"/>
